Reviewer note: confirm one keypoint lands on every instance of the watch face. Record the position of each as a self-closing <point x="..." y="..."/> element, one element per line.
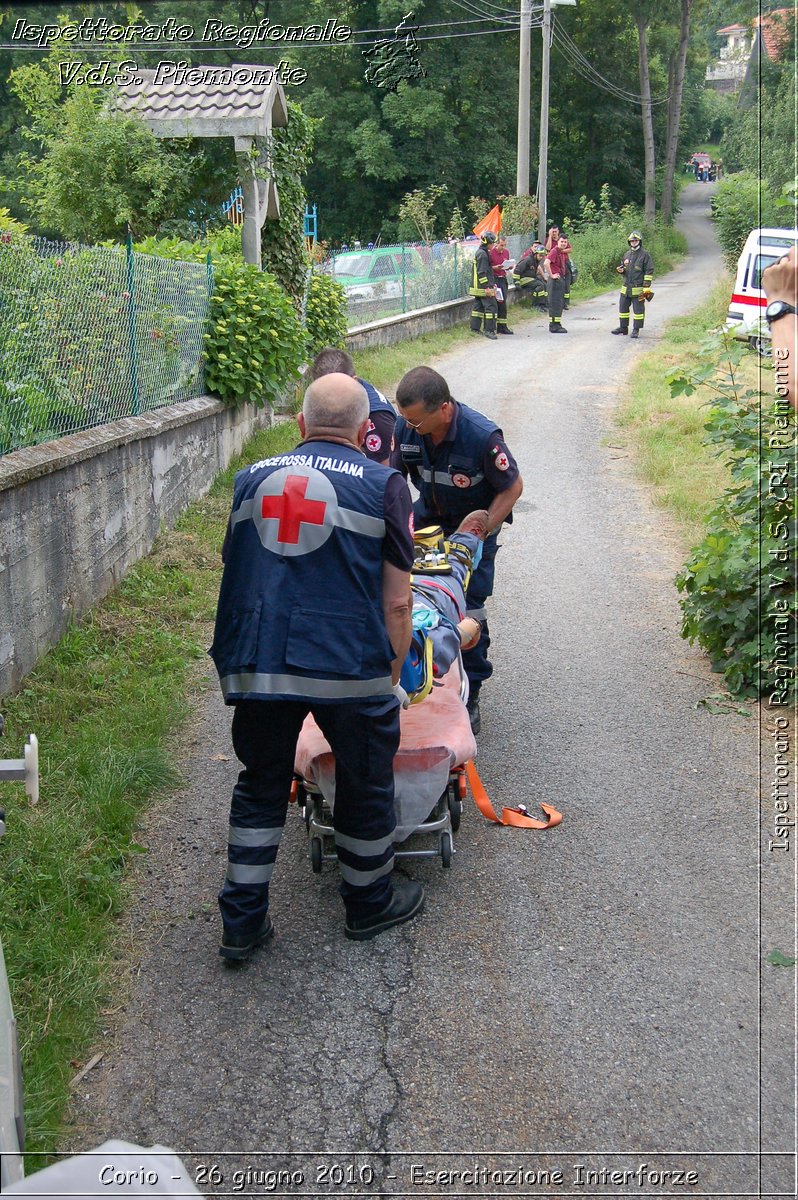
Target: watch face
<point x="776" y="309"/>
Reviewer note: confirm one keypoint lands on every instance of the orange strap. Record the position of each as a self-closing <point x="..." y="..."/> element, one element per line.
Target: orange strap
<point x="510" y="816"/>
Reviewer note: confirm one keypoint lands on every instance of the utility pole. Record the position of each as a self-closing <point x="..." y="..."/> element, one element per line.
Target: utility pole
<point x="524" y="68"/>
<point x="543" y="156"/>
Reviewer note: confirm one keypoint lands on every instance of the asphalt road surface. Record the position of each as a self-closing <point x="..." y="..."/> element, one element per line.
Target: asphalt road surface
<point x="581" y="999"/>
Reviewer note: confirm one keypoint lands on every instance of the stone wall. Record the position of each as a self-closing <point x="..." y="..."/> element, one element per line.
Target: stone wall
<point x="78" y="512"/>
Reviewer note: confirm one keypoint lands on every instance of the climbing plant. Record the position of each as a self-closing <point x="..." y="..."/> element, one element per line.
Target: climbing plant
<point x="282" y="241"/>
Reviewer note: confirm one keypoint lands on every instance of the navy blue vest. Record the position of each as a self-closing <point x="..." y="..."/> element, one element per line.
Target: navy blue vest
<point x="377" y="402"/>
<point x="300" y="612"/>
<point x="454" y="484"/>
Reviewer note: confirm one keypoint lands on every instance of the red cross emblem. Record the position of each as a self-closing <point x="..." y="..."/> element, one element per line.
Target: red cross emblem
<point x="295" y="510"/>
<point x="292" y="509"/>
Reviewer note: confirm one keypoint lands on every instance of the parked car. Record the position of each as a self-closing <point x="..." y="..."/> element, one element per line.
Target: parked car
<point x="376" y="274"/>
<point x="746" y="316"/>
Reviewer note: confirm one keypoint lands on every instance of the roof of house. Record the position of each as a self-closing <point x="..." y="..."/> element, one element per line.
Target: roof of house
<point x="239" y="100"/>
<point x="732" y="29"/>
<point x="775" y="28"/>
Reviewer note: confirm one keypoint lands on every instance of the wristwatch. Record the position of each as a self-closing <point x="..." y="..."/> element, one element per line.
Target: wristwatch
<point x="777" y="309"/>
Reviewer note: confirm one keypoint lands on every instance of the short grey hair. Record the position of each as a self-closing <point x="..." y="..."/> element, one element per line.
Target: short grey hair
<point x="335" y="402"/>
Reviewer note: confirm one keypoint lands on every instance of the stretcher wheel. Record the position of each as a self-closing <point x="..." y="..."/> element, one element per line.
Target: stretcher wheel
<point x="316" y="855"/>
<point x="446" y="849"/>
<point x="455" y="811"/>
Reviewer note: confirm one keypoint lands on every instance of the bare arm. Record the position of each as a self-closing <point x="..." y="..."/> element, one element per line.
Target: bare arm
<point x="780" y="282"/>
<point x="397" y="605"/>
<point x="502" y="503"/>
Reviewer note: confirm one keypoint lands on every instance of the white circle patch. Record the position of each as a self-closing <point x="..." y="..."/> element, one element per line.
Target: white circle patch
<point x="461" y="481"/>
<point x="373" y="442"/>
<point x="294" y="509"/>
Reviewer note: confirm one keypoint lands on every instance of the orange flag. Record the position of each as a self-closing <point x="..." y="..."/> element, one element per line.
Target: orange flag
<point x="492" y="221"/>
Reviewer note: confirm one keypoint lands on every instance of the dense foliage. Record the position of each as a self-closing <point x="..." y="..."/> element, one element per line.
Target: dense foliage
<point x="325" y="314"/>
<point x="456" y="127"/>
<point x="91" y="172"/>
<point x="599" y="235"/>
<point x="255" y="344"/>
<point x="760" y="136"/>
<point x="738" y="596"/>
<point x="90" y="336"/>
<point x="741" y="203"/>
<point x="282" y="243"/>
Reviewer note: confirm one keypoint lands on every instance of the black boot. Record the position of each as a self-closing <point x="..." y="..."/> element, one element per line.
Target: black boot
<point x="624" y="329"/>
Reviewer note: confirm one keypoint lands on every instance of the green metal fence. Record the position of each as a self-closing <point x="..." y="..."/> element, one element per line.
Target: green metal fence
<point x="89" y="334"/>
<point x="383" y="281"/>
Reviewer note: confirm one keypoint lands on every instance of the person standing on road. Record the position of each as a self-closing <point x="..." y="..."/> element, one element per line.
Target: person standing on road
<point x="378" y="442"/>
<point x="569" y="272"/>
<point x="314" y="617"/>
<point x="556" y="274"/>
<point x="458" y="460"/>
<point x="483" y="289"/>
<point x="498" y="255"/>
<point x="637" y="269"/>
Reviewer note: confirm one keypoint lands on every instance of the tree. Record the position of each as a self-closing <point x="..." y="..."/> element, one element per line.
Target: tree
<point x="93" y="171"/>
<point x="642" y="20"/>
<point x="675" y="92"/>
<point x="417" y="210"/>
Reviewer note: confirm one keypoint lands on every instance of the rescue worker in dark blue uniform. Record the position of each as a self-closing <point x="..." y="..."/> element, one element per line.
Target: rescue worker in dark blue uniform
<point x="483" y="288"/>
<point x="378" y="442"/>
<point x="458" y="460"/>
<point x="637" y="269"/>
<point x="314" y="617"/>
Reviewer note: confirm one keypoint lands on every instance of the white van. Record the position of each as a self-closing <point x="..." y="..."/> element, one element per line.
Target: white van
<point x="746" y="319"/>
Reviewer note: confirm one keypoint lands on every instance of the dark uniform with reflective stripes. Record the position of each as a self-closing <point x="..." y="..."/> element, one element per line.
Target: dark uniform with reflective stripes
<point x="299" y="629"/>
<point x="484" y="308"/>
<point x="638" y="273"/>
<point x="378" y="442"/>
<point x="464" y="472"/>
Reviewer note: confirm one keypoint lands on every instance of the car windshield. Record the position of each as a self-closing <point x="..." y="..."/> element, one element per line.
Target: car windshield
<point x="761" y="263"/>
<point x="356" y="265"/>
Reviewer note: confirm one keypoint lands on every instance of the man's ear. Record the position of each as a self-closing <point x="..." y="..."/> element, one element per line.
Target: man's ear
<point x="362" y="430"/>
<point x="300" y="420"/>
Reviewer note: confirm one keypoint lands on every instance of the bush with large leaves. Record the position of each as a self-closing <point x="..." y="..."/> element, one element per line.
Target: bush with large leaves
<point x="738" y="596"/>
<point x="254" y="344"/>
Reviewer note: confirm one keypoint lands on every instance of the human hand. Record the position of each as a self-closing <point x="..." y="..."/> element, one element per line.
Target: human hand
<point x="780" y="281"/>
<point x="619" y="270"/>
<point x="401" y="695"/>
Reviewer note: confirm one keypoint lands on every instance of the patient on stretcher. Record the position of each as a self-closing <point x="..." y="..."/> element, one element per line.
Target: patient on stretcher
<point x="439" y="581"/>
<point x="436" y="733"/>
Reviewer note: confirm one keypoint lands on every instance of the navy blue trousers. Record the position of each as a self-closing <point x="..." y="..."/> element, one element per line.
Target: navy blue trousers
<point x="364" y="737"/>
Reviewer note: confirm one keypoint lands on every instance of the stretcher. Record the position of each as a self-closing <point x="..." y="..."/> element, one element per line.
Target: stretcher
<point x="429" y="772"/>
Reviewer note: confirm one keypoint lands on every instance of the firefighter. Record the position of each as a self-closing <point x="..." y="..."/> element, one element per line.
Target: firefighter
<point x="483" y="289"/>
<point x="637" y="269"/>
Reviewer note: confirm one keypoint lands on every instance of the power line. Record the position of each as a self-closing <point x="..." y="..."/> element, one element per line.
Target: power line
<point x="583" y="67"/>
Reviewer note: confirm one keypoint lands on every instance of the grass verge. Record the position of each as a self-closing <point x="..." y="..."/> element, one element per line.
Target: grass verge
<point x="665" y="433"/>
<point x="103" y="704"/>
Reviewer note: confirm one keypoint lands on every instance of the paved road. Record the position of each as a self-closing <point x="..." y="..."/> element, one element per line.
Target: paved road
<point x="574" y="996"/>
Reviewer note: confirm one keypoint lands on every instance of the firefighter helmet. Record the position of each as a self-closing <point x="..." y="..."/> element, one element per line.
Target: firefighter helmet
<point x="489" y="237"/>
<point x="634" y="236"/>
